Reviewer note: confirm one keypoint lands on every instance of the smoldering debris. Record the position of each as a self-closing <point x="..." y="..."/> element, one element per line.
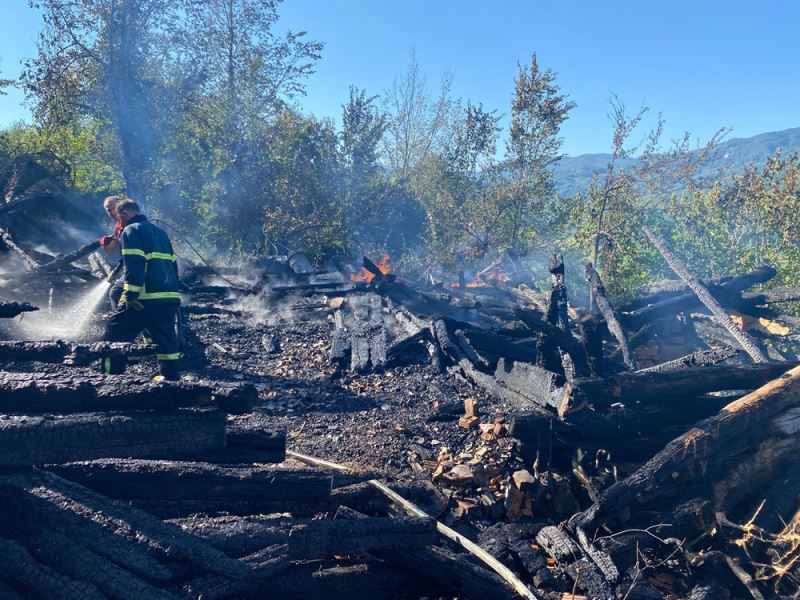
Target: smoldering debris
<point x="504" y="411"/>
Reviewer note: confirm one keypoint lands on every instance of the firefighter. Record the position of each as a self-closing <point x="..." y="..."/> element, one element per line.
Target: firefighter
<point x="110" y="244"/>
<point x="150" y="297"/>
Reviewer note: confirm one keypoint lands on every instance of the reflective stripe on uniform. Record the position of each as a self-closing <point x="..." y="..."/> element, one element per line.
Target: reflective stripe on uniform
<point x="159" y="255"/>
<point x="133" y="252"/>
<point x="173" y="356"/>
<point x="107" y="365"/>
<point x="160" y="296"/>
<point x="129" y="287"/>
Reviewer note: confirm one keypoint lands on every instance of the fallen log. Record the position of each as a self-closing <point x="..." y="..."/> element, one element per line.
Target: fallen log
<point x="33" y="440"/>
<point x="32" y="393"/>
<point x="77" y="354"/>
<point x="725" y="290"/>
<point x="461" y="578"/>
<point x="533" y="383"/>
<point x="48" y="268"/>
<point x="605" y="307"/>
<point x="239" y="536"/>
<point x="328" y="538"/>
<point x="29" y="261"/>
<point x="701" y="358"/>
<point x="172" y="489"/>
<point x="96" y="520"/>
<point x="562" y="339"/>
<point x="252" y="434"/>
<point x="723" y="318"/>
<point x="684" y="458"/>
<point x="9" y="310"/>
<point x="368" y="334"/>
<point x="652" y="387"/>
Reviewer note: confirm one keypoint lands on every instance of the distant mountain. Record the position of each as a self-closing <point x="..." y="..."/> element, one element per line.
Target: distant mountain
<point x="574" y="173"/>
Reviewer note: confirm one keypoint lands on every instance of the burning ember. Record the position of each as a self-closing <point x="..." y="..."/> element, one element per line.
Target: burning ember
<point x="486" y="279"/>
<point x="364" y="275"/>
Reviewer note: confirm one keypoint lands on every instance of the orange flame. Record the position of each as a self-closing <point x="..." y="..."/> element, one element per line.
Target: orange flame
<point x="364" y="275"/>
<point x="486" y="279"/>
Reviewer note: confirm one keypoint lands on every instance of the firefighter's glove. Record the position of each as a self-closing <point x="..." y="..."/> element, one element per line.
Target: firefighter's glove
<point x="133" y="305"/>
<point x="106" y="240"/>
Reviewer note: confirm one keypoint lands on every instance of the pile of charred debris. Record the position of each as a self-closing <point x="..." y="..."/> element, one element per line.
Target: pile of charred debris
<point x="356" y="435"/>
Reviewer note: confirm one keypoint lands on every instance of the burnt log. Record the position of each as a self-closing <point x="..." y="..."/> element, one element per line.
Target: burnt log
<point x="103" y="524"/>
<point x="46" y="187"/>
<point x="327" y="538"/>
<point x="773" y="296"/>
<point x="9" y="310"/>
<point x="51" y="267"/>
<point x="701" y="358"/>
<point x="19" y="567"/>
<point x="34" y="440"/>
<point x="740" y="424"/>
<point x="32" y="393"/>
<point x="728" y="291"/>
<point x="535" y="384"/>
<point x="29" y="261"/>
<point x="76" y="354"/>
<point x="262" y="565"/>
<point x="494" y="344"/>
<point x="605" y="307"/>
<point x="252" y="434"/>
<point x="562" y="339"/>
<point x="62" y="553"/>
<point x="461" y="578"/>
<point x="745" y="341"/>
<point x="171" y="489"/>
<point x="652" y="387"/>
<point x="368" y="334"/>
<point x="340" y="346"/>
<point x="239" y="536"/>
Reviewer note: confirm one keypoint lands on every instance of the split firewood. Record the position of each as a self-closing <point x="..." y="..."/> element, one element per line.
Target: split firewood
<point x="706" y="298"/>
<point x="32" y="393"/>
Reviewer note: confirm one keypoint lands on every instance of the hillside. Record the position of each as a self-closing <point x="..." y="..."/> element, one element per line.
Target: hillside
<point x="573" y="173"/>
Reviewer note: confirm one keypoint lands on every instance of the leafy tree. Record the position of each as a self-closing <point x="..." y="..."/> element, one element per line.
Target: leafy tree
<point x="538" y="110"/>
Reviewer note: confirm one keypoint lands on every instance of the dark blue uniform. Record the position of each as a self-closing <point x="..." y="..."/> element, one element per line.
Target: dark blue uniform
<point x="151" y="277"/>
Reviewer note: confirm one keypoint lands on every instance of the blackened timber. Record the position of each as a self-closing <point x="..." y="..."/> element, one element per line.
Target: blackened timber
<point x="9" y="310"/>
<point x="340" y="346"/>
<point x="499" y="345"/>
<point x="18" y="566"/>
<point x="57" y="351"/>
<point x="34" y="440"/>
<point x="55" y="265"/>
<point x="368" y="334"/>
<point x="70" y="558"/>
<point x="701" y="358"/>
<point x="239" y="536"/>
<point x="563" y="339"/>
<point x="773" y="296"/>
<point x="37" y="392"/>
<point x="683" y="459"/>
<point x="29" y="261"/>
<point x="328" y="538"/>
<point x="557" y="316"/>
<point x="608" y="312"/>
<point x="253" y="434"/>
<point x="461" y="578"/>
<point x="534" y="383"/>
<point x="172" y="489"/>
<point x="166" y="542"/>
<point x="731" y="288"/>
<point x="653" y="387"/>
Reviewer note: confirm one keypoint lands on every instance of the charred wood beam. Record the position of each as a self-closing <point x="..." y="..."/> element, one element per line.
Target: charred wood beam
<point x="239" y="536"/>
<point x="558" y="317"/>
<point x="461" y="578"/>
<point x="726" y="290"/>
<point x="533" y="383"/>
<point x="18" y="566"/>
<point x="103" y="524"/>
<point x="654" y="387"/>
<point x="77" y="354"/>
<point x="562" y="339"/>
<point x="500" y="345"/>
<point x="723" y="318"/>
<point x="250" y="434"/>
<point x="28" y="440"/>
<point x="46" y="269"/>
<point x="751" y="300"/>
<point x="44" y="188"/>
<point x="683" y="460"/>
<point x="32" y="393"/>
<point x="609" y="314"/>
<point x="701" y="358"/>
<point x="29" y="261"/>
<point x="172" y="489"/>
<point x="9" y="310"/>
<point x="327" y="538"/>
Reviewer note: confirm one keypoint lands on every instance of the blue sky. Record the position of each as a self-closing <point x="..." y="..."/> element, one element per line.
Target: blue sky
<point x="704" y="64"/>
